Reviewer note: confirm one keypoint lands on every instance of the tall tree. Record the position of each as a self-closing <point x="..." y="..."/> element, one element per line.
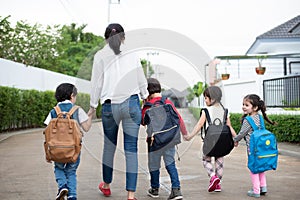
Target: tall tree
<point x="31" y="45"/>
<point x="65" y="49"/>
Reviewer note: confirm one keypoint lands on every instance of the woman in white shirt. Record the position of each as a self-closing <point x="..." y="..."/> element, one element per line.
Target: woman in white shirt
<point x="118" y="80"/>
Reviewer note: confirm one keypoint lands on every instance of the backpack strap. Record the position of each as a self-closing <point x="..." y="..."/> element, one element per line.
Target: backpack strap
<point x="57" y="110"/>
<point x="225" y="116"/>
<point x="207" y="115"/>
<point x="208" y="120"/>
<point x="252" y="123"/>
<point x="73" y="109"/>
<point x="148" y="104"/>
<point x="262" y="122"/>
<point x="162" y="101"/>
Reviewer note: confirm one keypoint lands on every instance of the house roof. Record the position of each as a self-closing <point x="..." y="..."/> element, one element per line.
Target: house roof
<point x="282" y="40"/>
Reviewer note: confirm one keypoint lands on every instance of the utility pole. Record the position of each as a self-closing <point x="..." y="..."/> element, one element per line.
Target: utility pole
<point x="108" y="12"/>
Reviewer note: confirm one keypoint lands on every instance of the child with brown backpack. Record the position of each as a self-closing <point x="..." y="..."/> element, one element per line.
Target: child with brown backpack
<point x="63" y="139"/>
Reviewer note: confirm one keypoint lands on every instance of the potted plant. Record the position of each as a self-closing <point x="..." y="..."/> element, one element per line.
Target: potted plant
<point x="225" y="76"/>
<point x="260" y="70"/>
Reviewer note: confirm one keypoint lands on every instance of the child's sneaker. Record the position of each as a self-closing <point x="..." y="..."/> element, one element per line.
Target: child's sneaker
<point x="263" y="190"/>
<point x="214" y="181"/>
<point x="153" y="192"/>
<point x="62" y="192"/>
<point x="175" y="194"/>
<point x="250" y="193"/>
<point x="218" y="188"/>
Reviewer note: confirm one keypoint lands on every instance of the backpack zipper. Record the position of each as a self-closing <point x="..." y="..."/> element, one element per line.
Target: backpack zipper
<point x="61" y="146"/>
<point x="267" y="156"/>
<point x="157" y="132"/>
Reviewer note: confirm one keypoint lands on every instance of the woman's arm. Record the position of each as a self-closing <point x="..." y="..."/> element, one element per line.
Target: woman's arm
<point x="96" y="81"/>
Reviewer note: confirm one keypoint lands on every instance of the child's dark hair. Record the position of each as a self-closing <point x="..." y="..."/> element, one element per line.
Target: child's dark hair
<point x="213" y="92"/>
<point x="64" y="91"/>
<point x="114" y="34"/>
<point x="260" y="104"/>
<point x="153" y="86"/>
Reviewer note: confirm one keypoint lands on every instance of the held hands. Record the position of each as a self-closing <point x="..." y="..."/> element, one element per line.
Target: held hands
<point x="236" y="144"/>
<point x="91" y="111"/>
<point x="187" y="137"/>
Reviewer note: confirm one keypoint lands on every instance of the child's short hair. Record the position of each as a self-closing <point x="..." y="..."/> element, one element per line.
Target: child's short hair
<point x="213" y="92"/>
<point x="153" y="86"/>
<point x="64" y="91"/>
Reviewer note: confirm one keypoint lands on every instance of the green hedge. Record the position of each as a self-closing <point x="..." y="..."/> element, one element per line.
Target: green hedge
<point x="287" y="129"/>
<point x="29" y="108"/>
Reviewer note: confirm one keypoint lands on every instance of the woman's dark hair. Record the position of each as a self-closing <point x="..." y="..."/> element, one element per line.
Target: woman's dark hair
<point x="153" y="86"/>
<point x="114" y="34"/>
<point x="260" y="104"/>
<point x="213" y="92"/>
<point x="64" y="91"/>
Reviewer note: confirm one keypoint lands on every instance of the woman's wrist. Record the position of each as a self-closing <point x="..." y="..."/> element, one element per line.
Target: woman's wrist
<point x="92" y="108"/>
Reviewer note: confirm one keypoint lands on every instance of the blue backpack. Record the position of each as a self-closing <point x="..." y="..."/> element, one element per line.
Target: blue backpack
<point x="263" y="153"/>
<point x="163" y="127"/>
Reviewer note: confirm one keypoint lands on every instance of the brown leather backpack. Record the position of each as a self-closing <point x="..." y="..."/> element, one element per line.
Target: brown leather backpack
<point x="63" y="137"/>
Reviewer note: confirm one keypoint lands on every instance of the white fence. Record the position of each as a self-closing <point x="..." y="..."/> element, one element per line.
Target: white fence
<point x="20" y="76"/>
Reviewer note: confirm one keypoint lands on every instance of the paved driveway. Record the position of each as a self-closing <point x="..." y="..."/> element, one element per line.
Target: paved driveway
<point x="25" y="175"/>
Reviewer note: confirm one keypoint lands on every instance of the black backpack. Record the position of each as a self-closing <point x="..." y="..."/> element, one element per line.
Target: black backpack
<point x="218" y="141"/>
<point x="163" y="127"/>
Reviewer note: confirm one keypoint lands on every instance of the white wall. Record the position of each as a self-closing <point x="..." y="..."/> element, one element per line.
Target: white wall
<point x="20" y="76"/>
<point x="235" y="91"/>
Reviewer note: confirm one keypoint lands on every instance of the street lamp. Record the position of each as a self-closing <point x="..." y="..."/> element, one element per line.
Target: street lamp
<point x="108" y="12"/>
<point x="154" y="53"/>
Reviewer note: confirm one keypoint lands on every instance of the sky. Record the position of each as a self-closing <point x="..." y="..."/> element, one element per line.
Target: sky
<point x="220" y="27"/>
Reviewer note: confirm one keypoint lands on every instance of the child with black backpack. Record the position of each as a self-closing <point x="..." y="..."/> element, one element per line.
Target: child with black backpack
<point x="252" y="104"/>
<point x="65" y="173"/>
<point x="161" y="149"/>
<point x="216" y="111"/>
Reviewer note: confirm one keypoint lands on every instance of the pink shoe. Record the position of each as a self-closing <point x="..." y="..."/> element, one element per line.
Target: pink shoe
<point x="106" y="191"/>
<point x="218" y="188"/>
<point x="214" y="181"/>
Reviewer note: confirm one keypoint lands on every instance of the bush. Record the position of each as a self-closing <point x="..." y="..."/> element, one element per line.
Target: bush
<point x="286" y="130"/>
<point x="28" y="108"/>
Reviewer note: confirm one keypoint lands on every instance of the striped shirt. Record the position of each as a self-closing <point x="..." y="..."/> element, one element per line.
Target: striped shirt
<point x="246" y="130"/>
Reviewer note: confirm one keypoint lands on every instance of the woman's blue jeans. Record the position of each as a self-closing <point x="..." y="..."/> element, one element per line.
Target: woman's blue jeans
<point x="65" y="174"/>
<point x="129" y="113"/>
<point x="154" y="160"/>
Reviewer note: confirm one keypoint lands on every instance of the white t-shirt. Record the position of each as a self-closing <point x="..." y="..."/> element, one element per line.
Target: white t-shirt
<point x="116" y="77"/>
<point x="82" y="116"/>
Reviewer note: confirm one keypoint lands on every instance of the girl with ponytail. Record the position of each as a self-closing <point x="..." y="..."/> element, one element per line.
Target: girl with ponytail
<point x="252" y="104"/>
<point x="118" y="81"/>
<point x="212" y="96"/>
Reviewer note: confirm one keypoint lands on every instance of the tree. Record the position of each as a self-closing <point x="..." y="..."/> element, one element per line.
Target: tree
<point x="76" y="50"/>
<point x="147" y="66"/>
<point x="30" y="45"/>
<point x="65" y="49"/>
<point x="198" y="89"/>
<point x="190" y="95"/>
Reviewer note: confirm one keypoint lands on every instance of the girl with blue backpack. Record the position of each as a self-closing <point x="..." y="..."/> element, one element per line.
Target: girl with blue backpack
<point x="252" y="104"/>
